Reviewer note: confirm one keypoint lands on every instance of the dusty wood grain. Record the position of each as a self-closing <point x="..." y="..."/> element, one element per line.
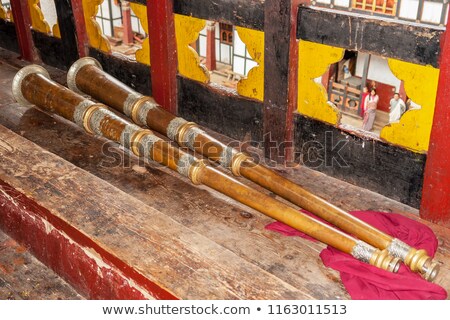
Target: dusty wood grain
<point x="23" y="277"/>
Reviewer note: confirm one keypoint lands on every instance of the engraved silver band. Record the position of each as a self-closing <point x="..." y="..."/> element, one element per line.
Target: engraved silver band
<point x="173" y="127"/>
<point x="184" y="164"/>
<point x="226" y="157"/>
<point x="130" y="101"/>
<point x="398" y="249"/>
<point x="20" y="76"/>
<point x="143" y="111"/>
<point x="146" y="145"/>
<point x="127" y="134"/>
<point x="362" y="251"/>
<point x="80" y="110"/>
<point x="190" y="137"/>
<point x="75" y="68"/>
<point x="96" y="119"/>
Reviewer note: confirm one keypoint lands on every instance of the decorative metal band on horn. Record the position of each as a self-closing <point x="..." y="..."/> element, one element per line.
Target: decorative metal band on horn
<point x="232" y="159"/>
<point x="226" y="157"/>
<point x="144" y="144"/>
<point x="399" y="249"/>
<point x="75" y="68"/>
<point x="186" y="138"/>
<point x="416" y="260"/>
<point x="190" y="167"/>
<point x="363" y="252"/>
<point x="129" y="135"/>
<point x="92" y="118"/>
<point x="130" y="102"/>
<point x="381" y="259"/>
<point x="173" y="127"/>
<point x="22" y="74"/>
<point x="140" y="111"/>
<point x="184" y="164"/>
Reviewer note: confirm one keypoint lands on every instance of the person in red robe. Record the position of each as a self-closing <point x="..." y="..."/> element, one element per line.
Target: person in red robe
<point x="363" y="101"/>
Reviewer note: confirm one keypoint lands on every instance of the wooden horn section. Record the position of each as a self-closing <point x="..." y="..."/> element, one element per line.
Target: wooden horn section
<point x="87" y="76"/>
<point x="32" y="85"/>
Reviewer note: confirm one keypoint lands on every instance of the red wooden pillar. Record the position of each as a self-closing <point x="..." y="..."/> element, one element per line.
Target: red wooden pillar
<point x="82" y="38"/>
<point x="436" y="188"/>
<point x="211" y="45"/>
<point x="22" y="22"/>
<point x="163" y="53"/>
<point x="126" y="22"/>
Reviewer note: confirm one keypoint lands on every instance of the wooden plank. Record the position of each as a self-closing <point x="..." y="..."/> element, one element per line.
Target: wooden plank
<point x="436" y="192"/>
<point x="242" y="13"/>
<point x="404" y="41"/>
<point x="163" y="53"/>
<point x="279" y="97"/>
<point x="23" y="277"/>
<point x="22" y="22"/>
<point x="66" y="23"/>
<point x="234" y="227"/>
<point x="150" y="243"/>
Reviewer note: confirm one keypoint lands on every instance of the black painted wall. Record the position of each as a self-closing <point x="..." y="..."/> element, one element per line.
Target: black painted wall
<point x="133" y="74"/>
<point x="225" y="112"/>
<point x="404" y="41"/>
<point x="8" y="37"/>
<point x="50" y="50"/>
<point x="375" y="165"/>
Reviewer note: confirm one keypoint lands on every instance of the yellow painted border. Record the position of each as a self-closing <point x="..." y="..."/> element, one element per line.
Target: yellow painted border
<point x="314" y="61"/>
<point x="96" y="38"/>
<point x="187" y="30"/>
<point x="253" y="85"/>
<point x="414" y="129"/>
<point x="143" y="54"/>
<point x="37" y="18"/>
<point x="2" y="12"/>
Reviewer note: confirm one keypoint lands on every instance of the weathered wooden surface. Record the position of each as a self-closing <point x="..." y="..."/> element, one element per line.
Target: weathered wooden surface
<point x="23" y="277"/>
<point x="404" y="41"/>
<point x="279" y="92"/>
<point x="242" y="13"/>
<point x="219" y="235"/>
<point x="198" y="242"/>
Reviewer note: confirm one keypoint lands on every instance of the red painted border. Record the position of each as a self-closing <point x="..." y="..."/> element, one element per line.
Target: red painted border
<point x="26" y="221"/>
<point x="22" y="22"/>
<point x="163" y="53"/>
<point x="293" y="81"/>
<point x="82" y="38"/>
<point x="435" y="205"/>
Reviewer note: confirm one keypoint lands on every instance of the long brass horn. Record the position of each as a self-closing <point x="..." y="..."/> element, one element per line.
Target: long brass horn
<point x="87" y="76"/>
<point x="32" y="85"/>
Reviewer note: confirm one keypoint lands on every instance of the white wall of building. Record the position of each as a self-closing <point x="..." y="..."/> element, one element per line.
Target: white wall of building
<point x="408" y="9"/>
<point x="49" y="11"/>
<point x="379" y="70"/>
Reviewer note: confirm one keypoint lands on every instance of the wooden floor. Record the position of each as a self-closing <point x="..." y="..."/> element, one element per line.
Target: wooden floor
<point x="23" y="277"/>
<point x="190" y="240"/>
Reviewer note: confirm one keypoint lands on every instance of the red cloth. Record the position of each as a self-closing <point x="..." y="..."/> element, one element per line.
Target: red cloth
<point x="364" y="281"/>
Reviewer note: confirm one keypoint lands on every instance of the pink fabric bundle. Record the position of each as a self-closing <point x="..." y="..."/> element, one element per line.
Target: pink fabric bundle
<point x="364" y="281"/>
